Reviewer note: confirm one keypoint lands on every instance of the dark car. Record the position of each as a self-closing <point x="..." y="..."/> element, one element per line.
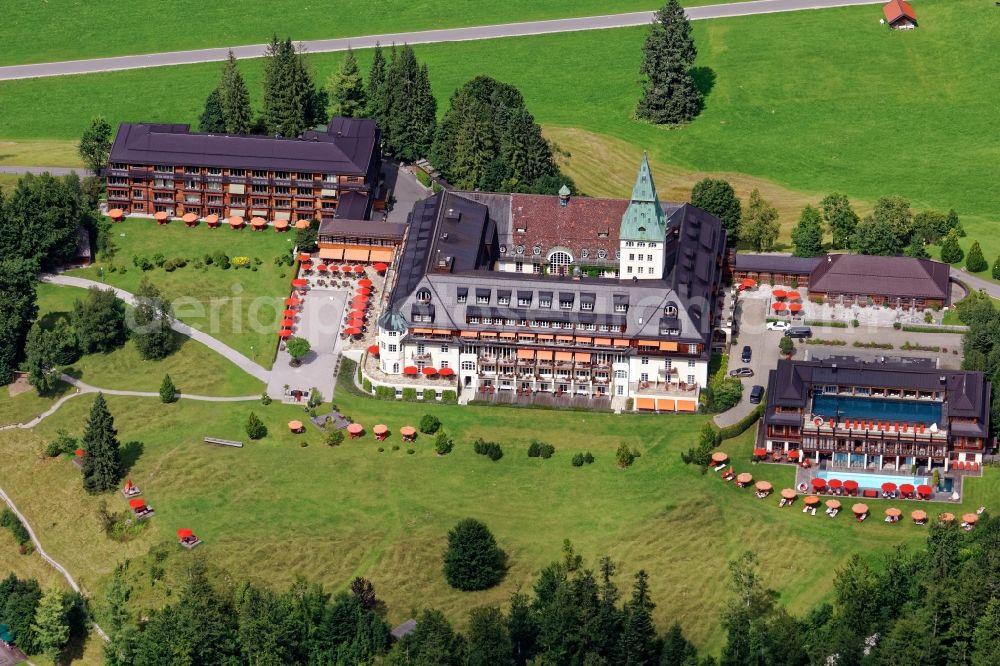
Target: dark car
<point x="741" y="372"/>
<point x="748" y="353"/>
<point x="756" y="393"/>
<point x="798" y="332"/>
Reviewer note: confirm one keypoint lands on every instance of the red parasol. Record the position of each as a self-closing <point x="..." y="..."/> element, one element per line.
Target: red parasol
<point x="373" y="349"/>
<point x="779" y="293"/>
<point x="925" y="490"/>
<point x="446" y="372"/>
<point x="355" y="323"/>
<point x="321" y="268"/>
<point x="292" y="300"/>
<point x="429" y="371"/>
<point x="818" y="483"/>
<point x="185" y="533"/>
<point x="136" y="503"/>
<point x="284" y="334"/>
<point x="359" y="269"/>
<point x="353" y="331"/>
<point x="410" y="370"/>
<point x="851" y="485"/>
<point x="289" y="313"/>
<point x="906" y="489"/>
<point x="299" y="282"/>
<point x="835" y="483"/>
<point x="795" y="307"/>
<point x="79" y="453"/>
<point x="363" y="291"/>
<point x="380" y="267"/>
<point x="307" y="265"/>
<point x="287" y="323"/>
<point x="793" y="296"/>
<point x="888" y="487"/>
<point x="778" y="307"/>
<point x="304" y="257"/>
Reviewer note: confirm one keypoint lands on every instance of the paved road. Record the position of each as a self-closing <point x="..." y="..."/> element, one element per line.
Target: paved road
<point x="55" y="171"/>
<point x="977" y="283"/>
<point x="425" y="37"/>
<point x="231" y="354"/>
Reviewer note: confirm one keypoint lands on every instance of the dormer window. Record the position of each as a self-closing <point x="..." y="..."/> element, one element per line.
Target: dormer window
<point x="670" y="310"/>
<point x="483" y="296"/>
<point x="423" y="296"/>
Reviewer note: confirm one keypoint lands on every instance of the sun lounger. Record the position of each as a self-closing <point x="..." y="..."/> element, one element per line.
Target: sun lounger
<point x="862" y="517"/>
<point x="814" y="511"/>
<point x="720" y="467"/>
<point x="805" y="509"/>
<point x="833" y="514"/>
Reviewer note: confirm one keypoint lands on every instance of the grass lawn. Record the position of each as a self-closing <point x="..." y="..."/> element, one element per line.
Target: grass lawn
<point x="809" y="111"/>
<point x="74" y="29"/>
<point x="239" y="307"/>
<point x="40" y="152"/>
<point x="275" y="509"/>
<point x="194" y="367"/>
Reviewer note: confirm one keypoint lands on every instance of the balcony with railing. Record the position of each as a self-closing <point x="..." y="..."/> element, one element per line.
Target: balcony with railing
<point x="667" y="389"/>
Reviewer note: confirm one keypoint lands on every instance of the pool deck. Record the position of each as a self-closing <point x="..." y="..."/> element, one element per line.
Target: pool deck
<point x="804" y="476"/>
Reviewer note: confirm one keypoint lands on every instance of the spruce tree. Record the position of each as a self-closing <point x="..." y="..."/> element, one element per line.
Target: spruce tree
<point x="975" y="261"/>
<point x="347" y="89"/>
<point x="235" y="99"/>
<point x="952" y="222"/>
<point x="996" y="268"/>
<point x="410" y="108"/>
<point x="916" y="249"/>
<point x="677" y="650"/>
<point x="669" y="93"/>
<point x="716" y="196"/>
<point x="759" y="224"/>
<point x="212" y="120"/>
<point x="168" y="392"/>
<point x="255" y="427"/>
<point x="102" y="464"/>
<point x="951" y="252"/>
<point x="39" y="350"/>
<point x="375" y="102"/>
<point x="473" y="561"/>
<point x="489" y="640"/>
<point x="51" y="625"/>
<point x="807" y="236"/>
<point x="638" y="643"/>
<point x="290" y="97"/>
<point x="153" y="318"/>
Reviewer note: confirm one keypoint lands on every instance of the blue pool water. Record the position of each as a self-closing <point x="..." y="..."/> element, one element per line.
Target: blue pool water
<point x="904" y="411"/>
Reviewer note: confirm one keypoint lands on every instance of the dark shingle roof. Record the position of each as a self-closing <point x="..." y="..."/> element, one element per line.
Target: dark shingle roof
<point x="775" y="263"/>
<point x="903" y="277"/>
<point x="346" y="148"/>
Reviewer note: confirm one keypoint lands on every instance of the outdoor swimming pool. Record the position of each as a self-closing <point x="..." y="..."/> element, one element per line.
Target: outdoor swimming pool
<point x="903" y="411"/>
<point x="873" y="480"/>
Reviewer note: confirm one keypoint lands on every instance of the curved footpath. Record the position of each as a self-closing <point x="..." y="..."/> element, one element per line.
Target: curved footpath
<point x="627" y="20"/>
<point x="248" y="366"/>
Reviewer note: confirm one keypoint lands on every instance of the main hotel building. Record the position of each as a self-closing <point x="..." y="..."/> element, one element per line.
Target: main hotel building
<point x="526" y="295"/>
<point x="166" y="168"/>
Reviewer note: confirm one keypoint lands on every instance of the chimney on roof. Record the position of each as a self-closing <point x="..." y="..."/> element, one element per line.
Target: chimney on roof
<point x="564" y="196"/>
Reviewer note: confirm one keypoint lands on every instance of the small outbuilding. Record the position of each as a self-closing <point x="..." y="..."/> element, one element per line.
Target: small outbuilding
<point x="899" y="15"/>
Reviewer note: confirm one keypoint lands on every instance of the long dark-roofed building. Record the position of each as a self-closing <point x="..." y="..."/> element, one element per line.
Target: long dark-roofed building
<point x="164" y="168"/>
<point x="510" y="302"/>
<point x="877" y="415"/>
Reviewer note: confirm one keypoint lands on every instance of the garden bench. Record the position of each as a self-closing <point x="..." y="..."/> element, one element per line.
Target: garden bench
<point x="223" y="442"/>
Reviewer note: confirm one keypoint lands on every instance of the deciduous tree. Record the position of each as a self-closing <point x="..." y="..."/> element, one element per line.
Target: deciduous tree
<point x="876" y="236"/>
<point x="40" y="361"/>
<point x="297" y="348"/>
<point x="102" y="464"/>
<point x="152" y="318"/>
<point x="841" y="219"/>
<point x="347" y="89"/>
<point x="759" y="224"/>
<point x="807" y="236"/>
<point x="17" y="310"/>
<point x="669" y="93"/>
<point x="717" y="197"/>
<point x="473" y="561"/>
<point x="95" y="144"/>
<point x="51" y="624"/>
<point x="41" y="218"/>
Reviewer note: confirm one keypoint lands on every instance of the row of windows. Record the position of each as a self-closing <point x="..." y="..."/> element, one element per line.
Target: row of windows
<point x="651" y="244"/>
<point x="533" y="323"/>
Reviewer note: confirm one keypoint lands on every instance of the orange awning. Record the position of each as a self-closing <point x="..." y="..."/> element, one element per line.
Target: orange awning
<point x="526" y="336"/>
<point x="382" y="254"/>
<point x="602" y="341"/>
<point x="649" y="343"/>
<point x="355" y="254"/>
<point x="545" y="336"/>
<point x="564" y="338"/>
<point x="488" y="334"/>
<point x="526" y="353"/>
<point x="582" y="357"/>
<point x="621" y="343"/>
<point x="441" y="331"/>
<point x="668" y="346"/>
<point x="564" y="356"/>
<point x="544" y="355"/>
<point x="423" y="331"/>
<point x="665" y="404"/>
<point x="645" y="403"/>
<point x="468" y="334"/>
<point x="508" y="336"/>
<point x="335" y="253"/>
<point x="687" y="406"/>
<point x="584" y="341"/>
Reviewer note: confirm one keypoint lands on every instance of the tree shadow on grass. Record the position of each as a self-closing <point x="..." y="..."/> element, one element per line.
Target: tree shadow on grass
<point x="704" y="79"/>
<point x="49" y="320"/>
<point x="131" y="453"/>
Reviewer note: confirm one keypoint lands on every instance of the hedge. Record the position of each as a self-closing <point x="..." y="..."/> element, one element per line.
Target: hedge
<point x="743" y="424"/>
<point x="449" y="396"/>
<point x="935" y="329"/>
<point x="828" y="324"/>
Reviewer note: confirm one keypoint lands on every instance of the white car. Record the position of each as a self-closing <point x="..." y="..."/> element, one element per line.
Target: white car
<point x="777" y="325"/>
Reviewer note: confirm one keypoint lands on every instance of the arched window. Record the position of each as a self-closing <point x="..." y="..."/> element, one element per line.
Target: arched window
<point x="559" y="261"/>
<point x="424" y="296"/>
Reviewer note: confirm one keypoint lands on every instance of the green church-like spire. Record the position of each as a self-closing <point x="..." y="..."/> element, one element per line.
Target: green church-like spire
<point x="644" y="219"/>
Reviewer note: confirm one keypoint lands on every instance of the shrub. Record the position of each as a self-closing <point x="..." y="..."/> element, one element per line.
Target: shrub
<point x="63" y="443"/>
<point x="534" y="449"/>
<point x="473" y="561"/>
<point x="257" y="261"/>
<point x="180" y="262"/>
<point x="855" y="323"/>
<point x="241" y="262"/>
<point x="786" y="346"/>
<point x="897" y="325"/>
<point x="385" y="393"/>
<point x="366" y="384"/>
<point x="303" y="444"/>
<point x="411" y="450"/>
<point x="169" y="266"/>
<point x="577" y="460"/>
<point x="221" y="260"/>
<point x="208" y="259"/>
<point x="625" y="455"/>
<point x="430" y="395"/>
<point x="395" y="447"/>
<point x="588" y="458"/>
<point x="159" y="260"/>
<point x="265" y="399"/>
<point x="10" y="521"/>
<point x="199" y="264"/>
<point x="546" y="451"/>
<point x="928" y="317"/>
<point x="429" y="424"/>
<point x="144" y="264"/>
<point x="168" y="391"/>
<point x="491" y="450"/>
<point x="443" y="444"/>
<point x="255" y="427"/>
<point x="449" y="396"/>
<point x="409" y="394"/>
<point x="381" y="449"/>
<point x="334" y="437"/>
